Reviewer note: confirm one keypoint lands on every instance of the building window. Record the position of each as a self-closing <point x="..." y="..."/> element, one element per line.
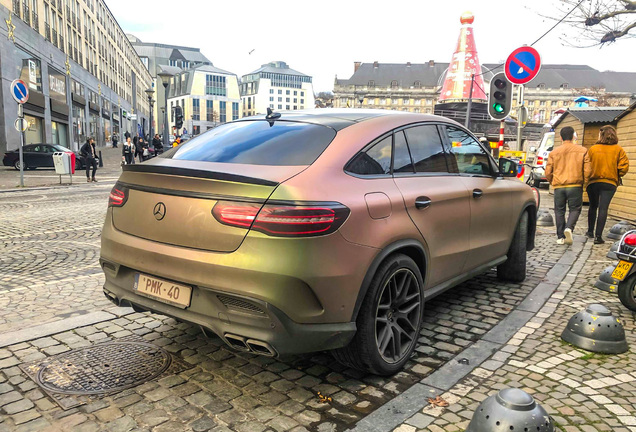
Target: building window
<point x="28" y="68"/>
<point x="280" y="92"/>
<point x="565" y="85"/>
<point x="271" y="98"/>
<point x="394" y="84"/>
<point x="271" y="91"/>
<point x="222" y="112"/>
<point x="280" y="99"/>
<point x="287" y="92"/>
<point x="196" y="130"/>
<point x="235" y="110"/>
<point x="371" y="83"/>
<point x="429" y="101"/>
<point x="541" y="86"/>
<point x="287" y="107"/>
<point x="405" y="101"/>
<point x="249" y="103"/>
<point x="295" y="92"/>
<point x="209" y="111"/>
<point x="215" y="85"/>
<point x="302" y="101"/>
<point x="371" y="101"/>
<point x="417" y="84"/>
<point x="196" y="109"/>
<point x="302" y="93"/>
<point x="286" y="99"/>
<point x="280" y="106"/>
<point x="394" y="101"/>
<point x="383" y="101"/>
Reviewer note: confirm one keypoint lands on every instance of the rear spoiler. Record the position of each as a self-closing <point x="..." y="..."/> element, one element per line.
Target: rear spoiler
<point x="186" y="172"/>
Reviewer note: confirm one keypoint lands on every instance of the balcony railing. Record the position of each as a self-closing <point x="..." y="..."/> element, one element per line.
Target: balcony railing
<point x="73" y="19"/>
<point x="54" y="37"/>
<point x="47" y="31"/>
<point x="36" y="22"/>
<point x="68" y="13"/>
<point x="61" y="43"/>
<point x="16" y="7"/>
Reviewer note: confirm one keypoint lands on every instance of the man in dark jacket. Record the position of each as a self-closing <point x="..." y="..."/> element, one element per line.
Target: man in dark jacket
<point x="157" y="144"/>
<point x="89" y="153"/>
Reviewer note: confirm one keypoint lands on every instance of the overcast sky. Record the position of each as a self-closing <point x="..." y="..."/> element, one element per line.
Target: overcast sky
<point x="323" y="38"/>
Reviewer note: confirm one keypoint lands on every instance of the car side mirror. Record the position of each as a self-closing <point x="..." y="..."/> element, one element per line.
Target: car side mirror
<point x="508" y="167"/>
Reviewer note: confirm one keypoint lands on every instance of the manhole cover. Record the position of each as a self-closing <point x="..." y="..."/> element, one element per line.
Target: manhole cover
<point x="103" y="368"/>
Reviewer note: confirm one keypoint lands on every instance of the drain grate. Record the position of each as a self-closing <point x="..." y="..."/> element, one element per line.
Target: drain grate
<point x="75" y="377"/>
<point x="104" y="368"/>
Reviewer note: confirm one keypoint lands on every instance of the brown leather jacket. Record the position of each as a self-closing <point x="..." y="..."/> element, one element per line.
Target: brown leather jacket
<point x="609" y="163"/>
<point x="568" y="166"/>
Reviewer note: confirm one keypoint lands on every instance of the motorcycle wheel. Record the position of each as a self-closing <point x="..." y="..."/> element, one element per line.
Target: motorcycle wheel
<point x="627" y="292"/>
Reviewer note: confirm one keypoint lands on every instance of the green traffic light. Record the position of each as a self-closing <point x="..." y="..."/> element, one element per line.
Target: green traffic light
<point x="498" y="107"/>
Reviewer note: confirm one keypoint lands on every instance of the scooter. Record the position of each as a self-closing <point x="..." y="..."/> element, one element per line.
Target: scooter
<point x="625" y="271"/>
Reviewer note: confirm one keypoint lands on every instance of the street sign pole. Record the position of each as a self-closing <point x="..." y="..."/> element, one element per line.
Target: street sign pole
<point x="20" y="93"/>
<point x="519" y="117"/>
<point x="21" y="160"/>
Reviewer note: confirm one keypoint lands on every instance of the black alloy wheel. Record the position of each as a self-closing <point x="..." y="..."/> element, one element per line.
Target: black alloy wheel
<point x="398" y="315"/>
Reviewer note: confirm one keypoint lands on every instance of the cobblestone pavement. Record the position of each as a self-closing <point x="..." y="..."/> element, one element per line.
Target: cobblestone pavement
<point x="582" y="391"/>
<point x="221" y="390"/>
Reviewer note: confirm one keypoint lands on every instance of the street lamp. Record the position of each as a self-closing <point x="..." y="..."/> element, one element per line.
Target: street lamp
<point x="150" y="92"/>
<point x="165" y="79"/>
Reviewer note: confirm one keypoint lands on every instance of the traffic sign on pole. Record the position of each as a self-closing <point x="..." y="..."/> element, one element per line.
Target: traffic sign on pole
<point x="21" y="125"/>
<point x="522" y="65"/>
<point x="19" y="91"/>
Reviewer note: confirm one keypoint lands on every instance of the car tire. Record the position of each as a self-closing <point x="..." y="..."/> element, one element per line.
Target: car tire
<point x="627" y="292"/>
<point x="514" y="269"/>
<point x="388" y="314"/>
<point x="16" y="165"/>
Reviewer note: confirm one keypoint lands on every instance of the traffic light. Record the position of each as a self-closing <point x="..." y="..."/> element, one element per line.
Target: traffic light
<point x="499" y="97"/>
<point x="178" y="117"/>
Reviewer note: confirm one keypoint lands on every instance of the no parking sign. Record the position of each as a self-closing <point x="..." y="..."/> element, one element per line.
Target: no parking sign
<point x="522" y="65"/>
<point x="19" y="91"/>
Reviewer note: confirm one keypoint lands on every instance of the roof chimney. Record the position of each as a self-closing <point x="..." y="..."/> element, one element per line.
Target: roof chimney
<point x="356" y="66"/>
<point x="408" y="64"/>
<point x="431" y="63"/>
<point x="375" y="65"/>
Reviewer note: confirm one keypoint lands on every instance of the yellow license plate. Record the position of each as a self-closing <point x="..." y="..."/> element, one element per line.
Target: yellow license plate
<point x="621" y="270"/>
<point x="163" y="290"/>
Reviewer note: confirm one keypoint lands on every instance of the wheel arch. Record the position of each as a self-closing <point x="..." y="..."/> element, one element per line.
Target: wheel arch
<point x="531" y="209"/>
<point x="411" y="248"/>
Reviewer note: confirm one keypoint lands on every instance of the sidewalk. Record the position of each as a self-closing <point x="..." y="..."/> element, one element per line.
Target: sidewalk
<point x="582" y="391"/>
<point x="111" y="158"/>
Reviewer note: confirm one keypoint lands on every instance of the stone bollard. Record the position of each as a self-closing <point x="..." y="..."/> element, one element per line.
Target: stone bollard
<point x="544" y="218"/>
<point x="605" y="280"/>
<point x="617" y="231"/>
<point x="511" y="409"/>
<point x="612" y="252"/>
<point x="595" y="329"/>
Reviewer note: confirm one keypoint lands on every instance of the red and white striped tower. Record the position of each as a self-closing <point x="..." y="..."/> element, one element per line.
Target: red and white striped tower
<point x="502" y="131"/>
<point x="463" y="66"/>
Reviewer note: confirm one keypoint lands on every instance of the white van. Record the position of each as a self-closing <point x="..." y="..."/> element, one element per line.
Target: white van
<point x="536" y="165"/>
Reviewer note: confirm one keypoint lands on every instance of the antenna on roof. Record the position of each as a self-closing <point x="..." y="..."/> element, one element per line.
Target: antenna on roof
<point x="271" y="115"/>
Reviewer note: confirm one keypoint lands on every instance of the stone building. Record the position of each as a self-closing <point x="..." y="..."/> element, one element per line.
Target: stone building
<point x="84" y="77"/>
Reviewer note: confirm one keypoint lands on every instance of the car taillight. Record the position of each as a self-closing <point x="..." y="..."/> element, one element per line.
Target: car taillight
<point x="539" y="160"/>
<point x="283" y="220"/>
<point x="630" y="239"/>
<point x="118" y="196"/>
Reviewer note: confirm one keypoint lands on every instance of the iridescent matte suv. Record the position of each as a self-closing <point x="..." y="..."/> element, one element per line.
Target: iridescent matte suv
<point x="302" y="231"/>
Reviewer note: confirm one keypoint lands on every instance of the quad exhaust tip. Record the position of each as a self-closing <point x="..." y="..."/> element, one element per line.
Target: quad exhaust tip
<point x="510" y="409"/>
<point x="241" y="343"/>
<point x="595" y="329"/>
<point x="605" y="280"/>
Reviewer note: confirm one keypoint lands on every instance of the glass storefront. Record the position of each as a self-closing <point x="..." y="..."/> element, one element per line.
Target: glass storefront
<point x="93" y="125"/>
<point x="60" y="133"/>
<point x="33" y="134"/>
<point x="79" y="126"/>
<point x="29" y="70"/>
<point x="57" y="85"/>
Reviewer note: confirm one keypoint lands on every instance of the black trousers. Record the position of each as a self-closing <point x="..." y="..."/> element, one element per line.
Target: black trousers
<point x="573" y="198"/>
<point x="600" y="195"/>
<point x="91" y="162"/>
<point x="130" y="158"/>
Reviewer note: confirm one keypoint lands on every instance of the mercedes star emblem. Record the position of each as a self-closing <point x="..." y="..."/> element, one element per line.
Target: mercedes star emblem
<point x="159" y="211"/>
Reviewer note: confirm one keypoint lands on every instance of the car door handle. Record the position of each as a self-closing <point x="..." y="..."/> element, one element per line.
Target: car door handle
<point x="422" y="202"/>
<point x="477" y="193"/>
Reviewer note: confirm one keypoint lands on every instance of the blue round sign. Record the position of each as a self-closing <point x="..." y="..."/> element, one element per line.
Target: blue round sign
<point x="19" y="91"/>
<point x="522" y="65"/>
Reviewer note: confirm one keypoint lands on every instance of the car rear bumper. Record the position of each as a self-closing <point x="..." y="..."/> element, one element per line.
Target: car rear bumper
<point x="294" y="295"/>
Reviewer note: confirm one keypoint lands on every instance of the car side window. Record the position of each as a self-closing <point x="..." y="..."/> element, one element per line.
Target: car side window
<point x="374" y="161"/>
<point x="426" y="148"/>
<point x="49" y="149"/>
<point x="467" y="156"/>
<point x="37" y="149"/>
<point x="402" y="162"/>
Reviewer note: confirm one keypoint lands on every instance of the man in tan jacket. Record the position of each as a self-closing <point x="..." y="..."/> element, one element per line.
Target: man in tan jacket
<point x="568" y="170"/>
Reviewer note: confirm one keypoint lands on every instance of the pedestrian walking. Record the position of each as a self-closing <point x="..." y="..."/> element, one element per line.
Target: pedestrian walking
<point x="142" y="150"/>
<point x="568" y="170"/>
<point x="157" y="144"/>
<point x="114" y="138"/>
<point x="609" y="164"/>
<point x="89" y="154"/>
<point x="128" y="152"/>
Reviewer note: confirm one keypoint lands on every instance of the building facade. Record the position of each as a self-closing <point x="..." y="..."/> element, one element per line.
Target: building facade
<point x="208" y="95"/>
<point x="416" y="87"/>
<point x="84" y="77"/>
<point x="169" y="58"/>
<point x="275" y="85"/>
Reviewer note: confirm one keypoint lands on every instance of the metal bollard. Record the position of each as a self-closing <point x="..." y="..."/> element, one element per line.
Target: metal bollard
<point x="612" y="252"/>
<point x="544" y="218"/>
<point x="510" y="409"/>
<point x="617" y="231"/>
<point x="595" y="329"/>
<point x="605" y="280"/>
<point x="101" y="161"/>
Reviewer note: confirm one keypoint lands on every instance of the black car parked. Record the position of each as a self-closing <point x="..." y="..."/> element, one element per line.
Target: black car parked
<point x="37" y="156"/>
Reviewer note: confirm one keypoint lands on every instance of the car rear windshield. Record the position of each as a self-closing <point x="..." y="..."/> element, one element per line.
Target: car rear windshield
<point x="259" y="143"/>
